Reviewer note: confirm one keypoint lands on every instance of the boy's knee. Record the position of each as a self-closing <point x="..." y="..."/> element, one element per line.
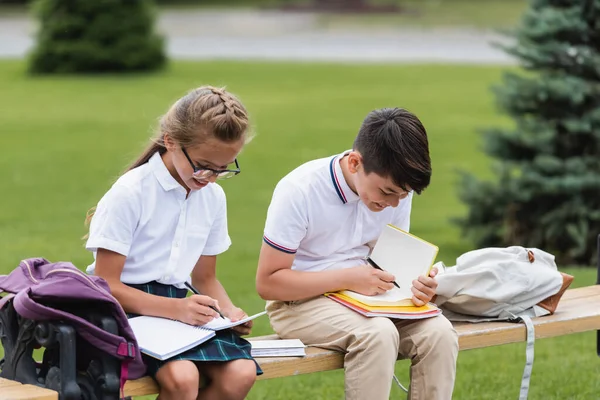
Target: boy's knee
<point x="379" y="333"/>
<point x="442" y="335"/>
<point x="180" y="378"/>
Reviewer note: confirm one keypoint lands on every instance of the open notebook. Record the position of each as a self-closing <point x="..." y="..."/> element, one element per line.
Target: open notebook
<point x="278" y="348"/>
<point x="164" y="338"/>
<point x="406" y="257"/>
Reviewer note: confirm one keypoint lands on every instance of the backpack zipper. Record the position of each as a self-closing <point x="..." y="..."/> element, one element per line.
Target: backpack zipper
<point x="80" y="274"/>
<point x="30" y="273"/>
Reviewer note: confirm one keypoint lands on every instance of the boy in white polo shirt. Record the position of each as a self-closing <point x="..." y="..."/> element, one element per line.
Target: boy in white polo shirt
<point x="323" y="219"/>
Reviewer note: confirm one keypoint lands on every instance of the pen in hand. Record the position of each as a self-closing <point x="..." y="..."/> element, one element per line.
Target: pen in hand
<point x="195" y="291"/>
<point x="374" y="265"/>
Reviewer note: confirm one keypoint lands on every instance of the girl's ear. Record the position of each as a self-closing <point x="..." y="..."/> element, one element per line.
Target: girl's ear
<point x="170" y="144"/>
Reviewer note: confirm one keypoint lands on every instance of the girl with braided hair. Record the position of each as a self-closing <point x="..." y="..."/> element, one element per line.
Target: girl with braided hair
<point x="163" y="222"/>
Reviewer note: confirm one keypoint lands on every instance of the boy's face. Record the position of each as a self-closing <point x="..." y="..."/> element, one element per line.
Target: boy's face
<point x="375" y="191"/>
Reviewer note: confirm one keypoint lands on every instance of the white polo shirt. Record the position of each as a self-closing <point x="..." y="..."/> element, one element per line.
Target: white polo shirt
<point x="315" y="215"/>
<point x="146" y="217"/>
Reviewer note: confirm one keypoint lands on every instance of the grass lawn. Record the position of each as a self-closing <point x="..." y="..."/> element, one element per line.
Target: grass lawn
<point x="65" y="140"/>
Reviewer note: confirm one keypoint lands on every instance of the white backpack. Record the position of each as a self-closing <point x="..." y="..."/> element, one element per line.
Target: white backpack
<point x="496" y="284"/>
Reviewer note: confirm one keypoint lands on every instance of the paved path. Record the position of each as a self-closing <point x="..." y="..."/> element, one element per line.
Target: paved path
<point x="273" y="35"/>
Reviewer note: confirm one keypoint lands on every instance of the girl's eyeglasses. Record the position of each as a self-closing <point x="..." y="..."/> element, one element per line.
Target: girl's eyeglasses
<point x="205" y="172"/>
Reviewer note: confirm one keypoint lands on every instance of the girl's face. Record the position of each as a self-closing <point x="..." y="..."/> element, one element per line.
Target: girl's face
<point x="213" y="155"/>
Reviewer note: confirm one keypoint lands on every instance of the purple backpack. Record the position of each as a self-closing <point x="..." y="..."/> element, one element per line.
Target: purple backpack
<point x="37" y="282"/>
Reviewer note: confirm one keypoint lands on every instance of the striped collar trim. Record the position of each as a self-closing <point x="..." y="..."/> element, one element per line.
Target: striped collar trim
<point x="339" y="183"/>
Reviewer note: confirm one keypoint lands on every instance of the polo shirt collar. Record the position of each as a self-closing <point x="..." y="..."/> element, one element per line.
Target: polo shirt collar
<point x="162" y="174"/>
<point x="340" y="185"/>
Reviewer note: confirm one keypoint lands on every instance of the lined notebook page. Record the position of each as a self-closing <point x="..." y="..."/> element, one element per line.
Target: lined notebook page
<point x="164" y="338"/>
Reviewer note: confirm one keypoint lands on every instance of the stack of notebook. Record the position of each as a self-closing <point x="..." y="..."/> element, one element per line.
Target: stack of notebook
<point x="278" y="348"/>
<point x="406" y="257"/>
<point x="395" y="309"/>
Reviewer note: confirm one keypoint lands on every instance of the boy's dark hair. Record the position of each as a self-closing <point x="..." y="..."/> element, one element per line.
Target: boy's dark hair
<point x="393" y="143"/>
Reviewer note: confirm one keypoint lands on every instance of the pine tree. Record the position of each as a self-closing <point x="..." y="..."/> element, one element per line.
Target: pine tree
<point x="91" y="36"/>
<point x="546" y="191"/>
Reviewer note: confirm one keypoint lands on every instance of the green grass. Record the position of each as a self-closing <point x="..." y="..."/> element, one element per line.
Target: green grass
<point x="65" y="140"/>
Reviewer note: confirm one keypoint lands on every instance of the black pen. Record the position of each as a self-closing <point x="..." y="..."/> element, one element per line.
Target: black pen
<point x="374" y="265"/>
<point x="195" y="291"/>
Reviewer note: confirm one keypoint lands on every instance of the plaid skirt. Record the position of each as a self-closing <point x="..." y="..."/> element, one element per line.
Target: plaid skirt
<point x="225" y="346"/>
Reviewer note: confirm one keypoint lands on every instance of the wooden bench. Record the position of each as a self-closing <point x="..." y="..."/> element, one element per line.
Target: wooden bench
<point x="578" y="311"/>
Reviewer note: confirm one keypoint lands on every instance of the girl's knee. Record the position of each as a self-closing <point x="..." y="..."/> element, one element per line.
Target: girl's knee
<point x="237" y="379"/>
<point x="179" y="379"/>
<point x="243" y="372"/>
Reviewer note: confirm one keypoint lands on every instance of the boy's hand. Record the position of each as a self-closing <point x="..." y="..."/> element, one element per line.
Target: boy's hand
<point x="424" y="288"/>
<point x="368" y="280"/>
<point x="195" y="310"/>
<point x="235" y="314"/>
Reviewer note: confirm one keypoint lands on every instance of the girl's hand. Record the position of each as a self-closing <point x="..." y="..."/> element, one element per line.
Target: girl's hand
<point x="368" y="280"/>
<point x="195" y="310"/>
<point x="424" y="288"/>
<point x="235" y="314"/>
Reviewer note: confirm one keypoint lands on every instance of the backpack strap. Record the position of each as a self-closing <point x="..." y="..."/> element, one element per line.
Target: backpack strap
<point x="529" y="353"/>
<point x="128" y="350"/>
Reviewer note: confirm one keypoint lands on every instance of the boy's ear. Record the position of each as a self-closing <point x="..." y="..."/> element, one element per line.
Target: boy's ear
<point x="354" y="161"/>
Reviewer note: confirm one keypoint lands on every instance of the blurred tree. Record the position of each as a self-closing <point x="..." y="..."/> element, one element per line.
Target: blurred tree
<point x="96" y="36"/>
<point x="547" y="192"/>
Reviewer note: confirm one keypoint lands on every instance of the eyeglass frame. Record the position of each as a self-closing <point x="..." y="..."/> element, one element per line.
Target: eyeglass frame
<point x="214" y="172"/>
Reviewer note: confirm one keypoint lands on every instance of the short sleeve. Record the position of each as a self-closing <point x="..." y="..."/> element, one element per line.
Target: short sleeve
<point x="287" y="218"/>
<point x="401" y="216"/>
<point x="218" y="239"/>
<point x="115" y="220"/>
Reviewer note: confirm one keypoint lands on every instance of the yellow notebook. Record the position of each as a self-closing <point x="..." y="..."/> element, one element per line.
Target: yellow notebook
<point x="404" y="255"/>
<point x="400" y="309"/>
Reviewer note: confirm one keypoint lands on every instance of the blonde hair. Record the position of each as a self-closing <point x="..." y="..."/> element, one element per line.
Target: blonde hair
<point x="203" y="113"/>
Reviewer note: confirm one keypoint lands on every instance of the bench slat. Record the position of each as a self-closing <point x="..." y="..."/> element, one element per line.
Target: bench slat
<point x="13" y="390"/>
<point x="4" y="383"/>
<point x="578" y="311"/>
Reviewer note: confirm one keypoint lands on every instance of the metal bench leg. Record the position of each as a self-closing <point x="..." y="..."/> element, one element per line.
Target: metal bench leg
<point x="63" y="379"/>
<point x="16" y="335"/>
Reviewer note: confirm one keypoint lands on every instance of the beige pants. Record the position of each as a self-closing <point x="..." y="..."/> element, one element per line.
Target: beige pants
<point x="372" y="346"/>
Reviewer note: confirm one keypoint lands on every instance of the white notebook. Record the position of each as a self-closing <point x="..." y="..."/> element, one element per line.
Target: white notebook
<point x="164" y="338"/>
<point x="406" y="257"/>
<point x="278" y="348"/>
